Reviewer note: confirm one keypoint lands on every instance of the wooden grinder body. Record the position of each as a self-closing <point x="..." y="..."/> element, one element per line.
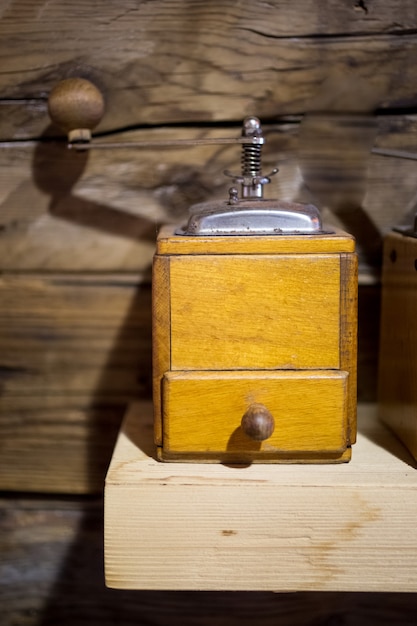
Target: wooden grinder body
<point x="241" y="322"/>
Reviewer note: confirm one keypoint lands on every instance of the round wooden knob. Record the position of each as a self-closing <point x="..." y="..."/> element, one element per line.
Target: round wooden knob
<point x="258" y="423"/>
<point x="77" y="106"/>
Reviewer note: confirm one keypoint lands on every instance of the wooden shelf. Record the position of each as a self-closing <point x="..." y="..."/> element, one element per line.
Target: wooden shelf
<point x="177" y="526"/>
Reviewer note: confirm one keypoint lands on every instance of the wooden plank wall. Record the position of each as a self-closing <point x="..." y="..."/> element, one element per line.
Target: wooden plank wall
<point x="77" y="231"/>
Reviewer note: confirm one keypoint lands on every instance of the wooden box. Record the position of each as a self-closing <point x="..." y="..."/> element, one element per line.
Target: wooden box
<point x="398" y="349"/>
<point x="260" y="328"/>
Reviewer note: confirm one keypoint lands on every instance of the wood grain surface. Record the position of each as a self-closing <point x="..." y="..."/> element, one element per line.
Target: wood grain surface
<point x="181" y="61"/>
<point x="73" y="352"/>
<point x="228" y="310"/>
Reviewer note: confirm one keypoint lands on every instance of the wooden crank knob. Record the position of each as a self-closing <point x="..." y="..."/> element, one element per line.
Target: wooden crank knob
<point x="77" y="106"/>
<point x="258" y="423"/>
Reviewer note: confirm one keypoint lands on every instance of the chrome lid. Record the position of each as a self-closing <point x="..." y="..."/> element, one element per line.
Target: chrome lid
<point x="252" y="217"/>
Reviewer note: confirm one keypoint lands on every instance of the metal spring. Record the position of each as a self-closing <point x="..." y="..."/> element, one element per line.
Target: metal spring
<point x="251" y="160"/>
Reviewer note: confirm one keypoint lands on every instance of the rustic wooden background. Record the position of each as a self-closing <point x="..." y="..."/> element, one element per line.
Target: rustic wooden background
<point x="330" y="79"/>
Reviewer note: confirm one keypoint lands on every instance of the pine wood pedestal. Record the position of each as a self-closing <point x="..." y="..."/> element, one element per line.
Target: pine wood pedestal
<point x="346" y="527"/>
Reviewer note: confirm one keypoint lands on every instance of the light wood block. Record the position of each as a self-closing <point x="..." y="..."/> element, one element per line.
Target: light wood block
<point x="51" y="562"/>
<point x="347" y="527"/>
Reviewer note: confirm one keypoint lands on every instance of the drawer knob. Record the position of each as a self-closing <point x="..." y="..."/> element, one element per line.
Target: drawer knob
<point x="258" y="423"/>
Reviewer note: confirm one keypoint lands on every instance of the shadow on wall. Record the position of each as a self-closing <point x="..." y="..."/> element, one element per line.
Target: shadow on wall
<point x="102" y="342"/>
<point x="56" y="169"/>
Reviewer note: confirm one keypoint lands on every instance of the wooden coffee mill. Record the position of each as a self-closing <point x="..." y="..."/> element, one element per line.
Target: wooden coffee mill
<point x="254" y="317"/>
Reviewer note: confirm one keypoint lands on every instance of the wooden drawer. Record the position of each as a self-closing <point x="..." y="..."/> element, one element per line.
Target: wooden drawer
<point x="255" y="312"/>
<point x="202" y="414"/>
